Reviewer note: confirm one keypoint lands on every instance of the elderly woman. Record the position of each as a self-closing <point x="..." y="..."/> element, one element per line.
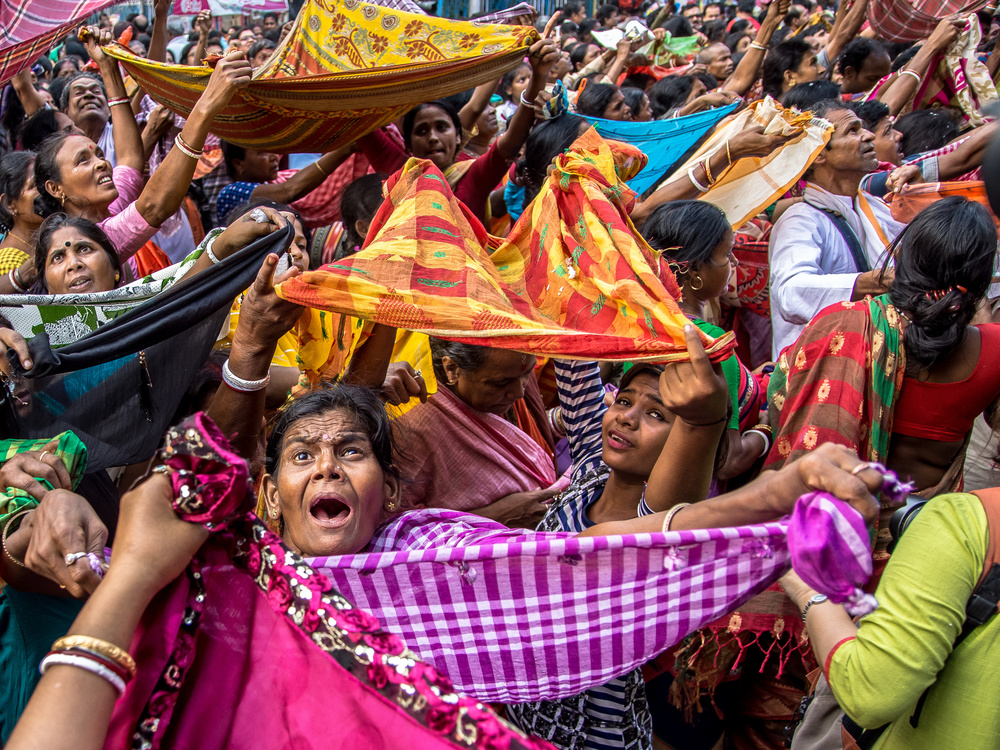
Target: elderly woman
<point x="72" y="175"/>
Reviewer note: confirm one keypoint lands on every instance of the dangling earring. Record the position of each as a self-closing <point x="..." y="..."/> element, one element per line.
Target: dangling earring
<point x="62" y="200"/>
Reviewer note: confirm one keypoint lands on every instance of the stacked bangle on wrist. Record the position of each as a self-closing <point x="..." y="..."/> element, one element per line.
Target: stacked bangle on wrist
<point x="910" y="73"/>
<point x="694" y="181"/>
<point x="757" y="45"/>
<point x="118" y="100"/>
<point x="208" y="250"/>
<point x="525" y="102"/>
<point x="12" y="278"/>
<point x="239" y="384"/>
<point x="763" y="436"/>
<point x="94" y="655"/>
<point x="185" y="149"/>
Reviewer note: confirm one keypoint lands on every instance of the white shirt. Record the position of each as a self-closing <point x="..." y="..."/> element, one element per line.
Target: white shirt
<point x="107" y="144"/>
<point x="811" y="266"/>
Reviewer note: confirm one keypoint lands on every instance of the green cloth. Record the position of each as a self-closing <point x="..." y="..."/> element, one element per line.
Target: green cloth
<point x="66" y="446"/>
<point x="730" y="368"/>
<point x="884" y="383"/>
<point x="906" y="644"/>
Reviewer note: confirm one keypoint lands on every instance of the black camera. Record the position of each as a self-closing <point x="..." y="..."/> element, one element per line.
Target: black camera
<point x="902" y="517"/>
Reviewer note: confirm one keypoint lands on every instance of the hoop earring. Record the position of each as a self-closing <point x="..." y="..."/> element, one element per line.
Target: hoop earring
<point x="700" y="284"/>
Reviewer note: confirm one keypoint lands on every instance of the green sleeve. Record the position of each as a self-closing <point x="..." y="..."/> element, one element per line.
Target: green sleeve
<point x="730" y="368"/>
<point x="902" y="646"/>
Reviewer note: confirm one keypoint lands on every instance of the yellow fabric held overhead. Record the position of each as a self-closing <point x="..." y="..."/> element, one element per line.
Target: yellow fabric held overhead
<point x="574" y="279"/>
<point x="345" y="69"/>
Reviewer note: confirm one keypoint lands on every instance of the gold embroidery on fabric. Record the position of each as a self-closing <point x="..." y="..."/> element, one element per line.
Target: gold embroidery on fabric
<point x="810" y="438"/>
<point x="824" y="390"/>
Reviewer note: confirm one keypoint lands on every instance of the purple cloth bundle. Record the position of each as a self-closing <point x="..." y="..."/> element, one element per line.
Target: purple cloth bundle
<point x="830" y="550"/>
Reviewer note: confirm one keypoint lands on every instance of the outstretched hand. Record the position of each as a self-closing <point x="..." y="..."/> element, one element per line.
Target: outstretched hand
<point x="264" y="316"/>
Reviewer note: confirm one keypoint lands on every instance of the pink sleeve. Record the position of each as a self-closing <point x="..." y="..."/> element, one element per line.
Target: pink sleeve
<point x="128" y="231"/>
<point x="129" y="182"/>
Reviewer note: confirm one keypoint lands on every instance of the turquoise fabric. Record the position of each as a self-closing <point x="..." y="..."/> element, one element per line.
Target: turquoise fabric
<point x="663" y="141"/>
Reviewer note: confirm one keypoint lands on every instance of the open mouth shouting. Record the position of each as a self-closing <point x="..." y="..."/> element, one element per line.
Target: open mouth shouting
<point x="329" y="511"/>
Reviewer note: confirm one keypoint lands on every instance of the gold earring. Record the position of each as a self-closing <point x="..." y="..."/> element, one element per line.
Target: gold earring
<point x="117" y="277"/>
<point x="700" y="284"/>
<point x="391" y="506"/>
<point x="62" y="200"/>
<point x="274" y="513"/>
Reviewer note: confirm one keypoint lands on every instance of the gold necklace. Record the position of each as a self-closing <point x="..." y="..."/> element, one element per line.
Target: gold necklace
<point x="19" y="239"/>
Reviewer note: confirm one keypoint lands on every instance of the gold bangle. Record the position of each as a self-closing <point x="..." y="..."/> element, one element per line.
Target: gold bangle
<point x="764" y="428"/>
<point x="756" y="45"/>
<point x="18" y="514"/>
<point x="729" y="155"/>
<point x="708" y="171"/>
<point x="668" y="519"/>
<point x="185" y="149"/>
<point x="321" y="170"/>
<point x="109" y="650"/>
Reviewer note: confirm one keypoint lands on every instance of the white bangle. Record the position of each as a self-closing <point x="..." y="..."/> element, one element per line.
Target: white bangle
<point x="239" y="384"/>
<point x="525" y="102"/>
<point x="13" y="282"/>
<point x="668" y="519"/>
<point x="72" y="660"/>
<point x="910" y="73"/>
<point x="757" y="45"/>
<point x="694" y="180"/>
<point x="763" y="435"/>
<point x="208" y="249"/>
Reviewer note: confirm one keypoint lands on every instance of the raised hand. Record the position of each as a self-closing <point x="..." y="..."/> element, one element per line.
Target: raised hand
<point x="695" y="391"/>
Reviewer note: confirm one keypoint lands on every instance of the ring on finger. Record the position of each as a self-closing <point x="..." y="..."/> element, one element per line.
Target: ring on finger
<point x="42" y="455"/>
<point x="72" y="557"/>
<point x="874" y="465"/>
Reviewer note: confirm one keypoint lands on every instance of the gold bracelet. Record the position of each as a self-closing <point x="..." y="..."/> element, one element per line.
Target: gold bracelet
<point x="668" y="519"/>
<point x="764" y="428"/>
<point x="120" y="656"/>
<point x="708" y="171"/>
<point x="321" y="170"/>
<point x="185" y="149"/>
<point x="18" y="514"/>
<point x="761" y="47"/>
<point x="729" y="155"/>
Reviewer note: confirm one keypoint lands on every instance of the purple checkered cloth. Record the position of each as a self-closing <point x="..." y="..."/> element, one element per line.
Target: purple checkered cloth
<point x="507" y="15"/>
<point x="913" y="20"/>
<point x="31" y="27"/>
<point x="513" y="616"/>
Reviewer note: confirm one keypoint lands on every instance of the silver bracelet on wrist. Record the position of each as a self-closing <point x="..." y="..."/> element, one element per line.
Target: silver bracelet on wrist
<point x="525" y="102"/>
<point x="763" y="435"/>
<point x="239" y="384"/>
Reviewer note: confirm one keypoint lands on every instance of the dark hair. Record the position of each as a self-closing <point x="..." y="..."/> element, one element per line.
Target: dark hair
<point x="14" y="170"/>
<point x="571" y="8"/>
<point x="707" y="78"/>
<point x="56" y="88"/>
<point x="185" y="50"/>
<point x="47" y="168"/>
<point x="73" y="46"/>
<point x="269" y="14"/>
<point x="595" y="99"/>
<point x="856" y="52"/>
<point x="568" y="28"/>
<point x="118" y="28"/>
<point x="633" y="98"/>
<point x="641" y="81"/>
<point x="58" y="221"/>
<point x="410" y="118"/>
<point x="13" y="113"/>
<point x="72" y="59"/>
<point x="733" y="40"/>
<point x="746" y="6"/>
<point x="586" y="26"/>
<point x="468" y="357"/>
<point x="605" y="12"/>
<point x="546" y="142"/>
<point x="359" y="202"/>
<point x="64" y="98"/>
<point x="803" y="96"/>
<point x="508" y="80"/>
<point x="678" y="26"/>
<point x="45" y="63"/>
<point x="785" y="56"/>
<point x="871" y="113"/>
<point x="686" y="233"/>
<point x="230" y="153"/>
<point x="668" y="93"/>
<point x="925" y="130"/>
<point x="272" y="35"/>
<point x="904" y="57"/>
<point x="944" y="265"/>
<point x="362" y="403"/>
<point x="740" y="25"/>
<point x="261" y="44"/>
<point x="579" y="52"/>
<point x="715" y="31"/>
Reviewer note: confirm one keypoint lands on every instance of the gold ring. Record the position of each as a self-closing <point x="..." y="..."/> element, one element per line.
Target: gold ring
<point x="42" y="455"/>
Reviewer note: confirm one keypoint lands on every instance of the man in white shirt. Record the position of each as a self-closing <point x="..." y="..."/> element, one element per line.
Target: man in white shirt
<point x="86" y="102"/>
<point x="830" y="247"/>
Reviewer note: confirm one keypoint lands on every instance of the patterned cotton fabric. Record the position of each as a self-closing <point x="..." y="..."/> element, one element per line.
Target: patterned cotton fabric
<point x="574" y="279"/>
<point x="346" y="69"/>
<point x="914" y="20"/>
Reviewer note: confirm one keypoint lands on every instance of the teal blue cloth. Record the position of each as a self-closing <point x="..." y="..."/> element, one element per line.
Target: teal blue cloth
<point x="29" y="625"/>
<point x="663" y="141"/>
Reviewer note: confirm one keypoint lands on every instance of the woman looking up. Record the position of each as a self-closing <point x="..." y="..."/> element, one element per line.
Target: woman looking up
<point x="73" y="176"/>
<point x="434" y="131"/>
<point x="18" y="219"/>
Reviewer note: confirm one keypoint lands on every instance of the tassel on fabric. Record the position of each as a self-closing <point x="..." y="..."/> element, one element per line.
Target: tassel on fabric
<point x="145" y="388"/>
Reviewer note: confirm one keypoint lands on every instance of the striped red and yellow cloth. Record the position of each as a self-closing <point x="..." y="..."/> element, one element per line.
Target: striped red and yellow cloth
<point x="345" y="69"/>
<point x="573" y="280"/>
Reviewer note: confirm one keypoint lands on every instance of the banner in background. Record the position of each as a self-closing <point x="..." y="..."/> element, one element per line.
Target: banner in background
<point x="229" y="7"/>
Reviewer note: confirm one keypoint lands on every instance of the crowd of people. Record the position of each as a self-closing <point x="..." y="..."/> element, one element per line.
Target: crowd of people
<point x="317" y="451"/>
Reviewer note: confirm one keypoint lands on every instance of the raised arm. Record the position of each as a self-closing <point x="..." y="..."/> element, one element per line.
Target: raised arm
<point x="158" y="40"/>
<point x="898" y="91"/>
<point x="845" y="28"/>
<point x="470" y="113"/>
<point x="747" y="71"/>
<point x="969" y="154"/>
<point x="31" y="100"/>
<point x="166" y="189"/>
<point x="542" y="55"/>
<point x="124" y="129"/>
<point x="305" y="180"/>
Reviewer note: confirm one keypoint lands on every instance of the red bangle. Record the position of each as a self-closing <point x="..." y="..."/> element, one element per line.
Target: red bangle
<point x="114" y="666"/>
<point x="829" y="656"/>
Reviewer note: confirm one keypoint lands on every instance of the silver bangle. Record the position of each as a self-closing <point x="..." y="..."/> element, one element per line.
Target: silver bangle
<point x="525" y="102"/>
<point x="694" y="181"/>
<point x="208" y="249"/>
<point x="13" y="282"/>
<point x="239" y="384"/>
<point x="83" y="662"/>
<point x="763" y="435"/>
<point x="669" y="518"/>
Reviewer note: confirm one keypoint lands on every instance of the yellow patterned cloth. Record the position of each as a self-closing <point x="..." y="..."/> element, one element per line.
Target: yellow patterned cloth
<point x="11" y="258"/>
<point x="574" y="279"/>
<point x="345" y="69"/>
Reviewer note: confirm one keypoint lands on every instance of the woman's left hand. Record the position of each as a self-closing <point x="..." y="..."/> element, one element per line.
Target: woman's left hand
<point x="796" y="589"/>
<point x="542" y="55"/>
